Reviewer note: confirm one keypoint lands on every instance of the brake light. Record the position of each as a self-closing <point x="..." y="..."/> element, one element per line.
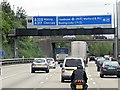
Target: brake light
<point x="33" y="64"/>
<point x="63" y="70"/>
<point x="46" y="64"/>
<point x="118" y="68"/>
<point x="104" y="68"/>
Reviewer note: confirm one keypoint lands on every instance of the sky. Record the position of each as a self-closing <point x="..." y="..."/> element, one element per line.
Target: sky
<point x="64" y="7"/>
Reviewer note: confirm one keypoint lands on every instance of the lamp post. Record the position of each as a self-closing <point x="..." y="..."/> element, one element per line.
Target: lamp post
<point x="116" y="32"/>
<point x="115" y="26"/>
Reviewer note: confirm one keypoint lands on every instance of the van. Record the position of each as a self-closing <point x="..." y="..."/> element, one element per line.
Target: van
<point x="68" y="66"/>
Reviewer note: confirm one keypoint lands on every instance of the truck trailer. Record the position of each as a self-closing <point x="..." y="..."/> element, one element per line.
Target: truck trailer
<point x="79" y="49"/>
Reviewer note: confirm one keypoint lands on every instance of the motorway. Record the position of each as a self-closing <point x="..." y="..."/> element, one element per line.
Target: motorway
<point x="20" y="76"/>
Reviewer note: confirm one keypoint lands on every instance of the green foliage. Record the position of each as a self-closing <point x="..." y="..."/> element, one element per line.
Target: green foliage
<point x="10" y="21"/>
<point x="100" y="49"/>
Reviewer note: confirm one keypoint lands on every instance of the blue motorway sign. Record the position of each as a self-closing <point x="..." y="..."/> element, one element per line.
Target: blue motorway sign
<point x="84" y="20"/>
<point x="44" y="20"/>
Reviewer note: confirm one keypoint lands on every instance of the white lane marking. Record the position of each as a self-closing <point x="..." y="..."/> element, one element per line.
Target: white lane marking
<point x="50" y="75"/>
<point x="46" y="78"/>
<point x="41" y="82"/>
<point x="12" y="75"/>
<point x="91" y="79"/>
<point x="94" y="83"/>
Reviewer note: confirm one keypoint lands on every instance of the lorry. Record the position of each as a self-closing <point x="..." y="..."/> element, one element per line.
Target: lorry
<point x="79" y="49"/>
<point x="61" y="54"/>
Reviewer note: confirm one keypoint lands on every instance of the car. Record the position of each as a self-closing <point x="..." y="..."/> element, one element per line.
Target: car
<point x="99" y="37"/>
<point x="51" y="62"/>
<point x="40" y="64"/>
<point x="99" y="63"/>
<point x="69" y="37"/>
<point x="68" y="66"/>
<point x="92" y="58"/>
<point x="98" y="58"/>
<point x="110" y="68"/>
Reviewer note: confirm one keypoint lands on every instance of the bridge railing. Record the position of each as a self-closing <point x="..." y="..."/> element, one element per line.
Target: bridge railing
<point x="15" y="61"/>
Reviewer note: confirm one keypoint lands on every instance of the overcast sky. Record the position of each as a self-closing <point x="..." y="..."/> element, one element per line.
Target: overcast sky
<point x="64" y="7"/>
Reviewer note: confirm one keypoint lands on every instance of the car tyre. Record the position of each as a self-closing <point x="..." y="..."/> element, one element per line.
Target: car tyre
<point x="47" y="71"/>
<point x="101" y="75"/>
<point x="98" y="69"/>
<point x="62" y="79"/>
<point x="32" y="71"/>
<point x="118" y="76"/>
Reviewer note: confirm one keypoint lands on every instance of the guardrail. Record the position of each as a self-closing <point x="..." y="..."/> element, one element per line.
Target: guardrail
<point x="15" y="61"/>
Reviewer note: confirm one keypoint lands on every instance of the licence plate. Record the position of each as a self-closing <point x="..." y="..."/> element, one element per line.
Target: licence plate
<point x="39" y="65"/>
<point x="69" y="70"/>
<point x="79" y="86"/>
<point x="111" y="68"/>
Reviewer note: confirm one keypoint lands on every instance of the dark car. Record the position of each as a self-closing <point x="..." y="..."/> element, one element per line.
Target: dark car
<point x="99" y="63"/>
<point x="92" y="58"/>
<point x="99" y="37"/>
<point x="110" y="68"/>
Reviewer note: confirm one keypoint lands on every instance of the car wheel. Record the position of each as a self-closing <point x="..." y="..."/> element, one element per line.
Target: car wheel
<point x="101" y="75"/>
<point x="118" y="76"/>
<point x="47" y="71"/>
<point x="32" y="71"/>
<point x="62" y="79"/>
<point x="98" y="69"/>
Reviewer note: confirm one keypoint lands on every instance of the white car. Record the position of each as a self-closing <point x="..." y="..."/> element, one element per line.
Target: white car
<point x="68" y="66"/>
<point x="51" y="62"/>
<point x="69" y="37"/>
<point x="40" y="64"/>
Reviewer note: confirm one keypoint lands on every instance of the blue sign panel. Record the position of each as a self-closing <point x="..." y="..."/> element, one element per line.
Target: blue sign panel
<point x="2" y="53"/>
<point x="84" y="20"/>
<point x="44" y="20"/>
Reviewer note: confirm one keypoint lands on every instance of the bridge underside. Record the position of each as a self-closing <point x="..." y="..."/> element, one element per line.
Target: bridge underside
<point x="63" y="31"/>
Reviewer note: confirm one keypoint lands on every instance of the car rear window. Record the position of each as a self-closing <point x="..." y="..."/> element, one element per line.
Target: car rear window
<point x="72" y="62"/>
<point x="39" y="61"/>
<point x="49" y="60"/>
<point x="111" y="64"/>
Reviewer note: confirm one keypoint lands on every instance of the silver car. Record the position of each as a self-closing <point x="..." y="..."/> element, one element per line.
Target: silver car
<point x="51" y="62"/>
<point x="40" y="64"/>
<point x="68" y="66"/>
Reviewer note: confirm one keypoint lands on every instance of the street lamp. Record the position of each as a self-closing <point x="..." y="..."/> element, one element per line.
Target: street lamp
<point x="116" y="33"/>
<point x="115" y="25"/>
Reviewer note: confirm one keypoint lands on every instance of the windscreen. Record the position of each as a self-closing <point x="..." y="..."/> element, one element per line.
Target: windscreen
<point x="112" y="64"/>
<point x="39" y="61"/>
<point x="73" y="62"/>
<point x="49" y="60"/>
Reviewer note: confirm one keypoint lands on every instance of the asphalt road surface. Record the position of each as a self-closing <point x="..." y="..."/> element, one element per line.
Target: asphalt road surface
<point x="20" y="76"/>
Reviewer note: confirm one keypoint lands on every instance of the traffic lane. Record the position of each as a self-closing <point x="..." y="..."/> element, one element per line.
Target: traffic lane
<point x="15" y="69"/>
<point x="55" y="81"/>
<point x="95" y="81"/>
<point x="26" y="79"/>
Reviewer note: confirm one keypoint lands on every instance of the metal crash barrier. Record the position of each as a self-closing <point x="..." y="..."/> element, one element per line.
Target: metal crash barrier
<point x="15" y="61"/>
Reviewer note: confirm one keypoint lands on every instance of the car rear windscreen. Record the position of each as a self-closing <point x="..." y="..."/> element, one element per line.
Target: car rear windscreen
<point x="73" y="62"/>
<point x="39" y="61"/>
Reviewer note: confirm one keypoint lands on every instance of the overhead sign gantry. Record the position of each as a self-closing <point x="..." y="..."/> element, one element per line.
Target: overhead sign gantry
<point x="103" y="21"/>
